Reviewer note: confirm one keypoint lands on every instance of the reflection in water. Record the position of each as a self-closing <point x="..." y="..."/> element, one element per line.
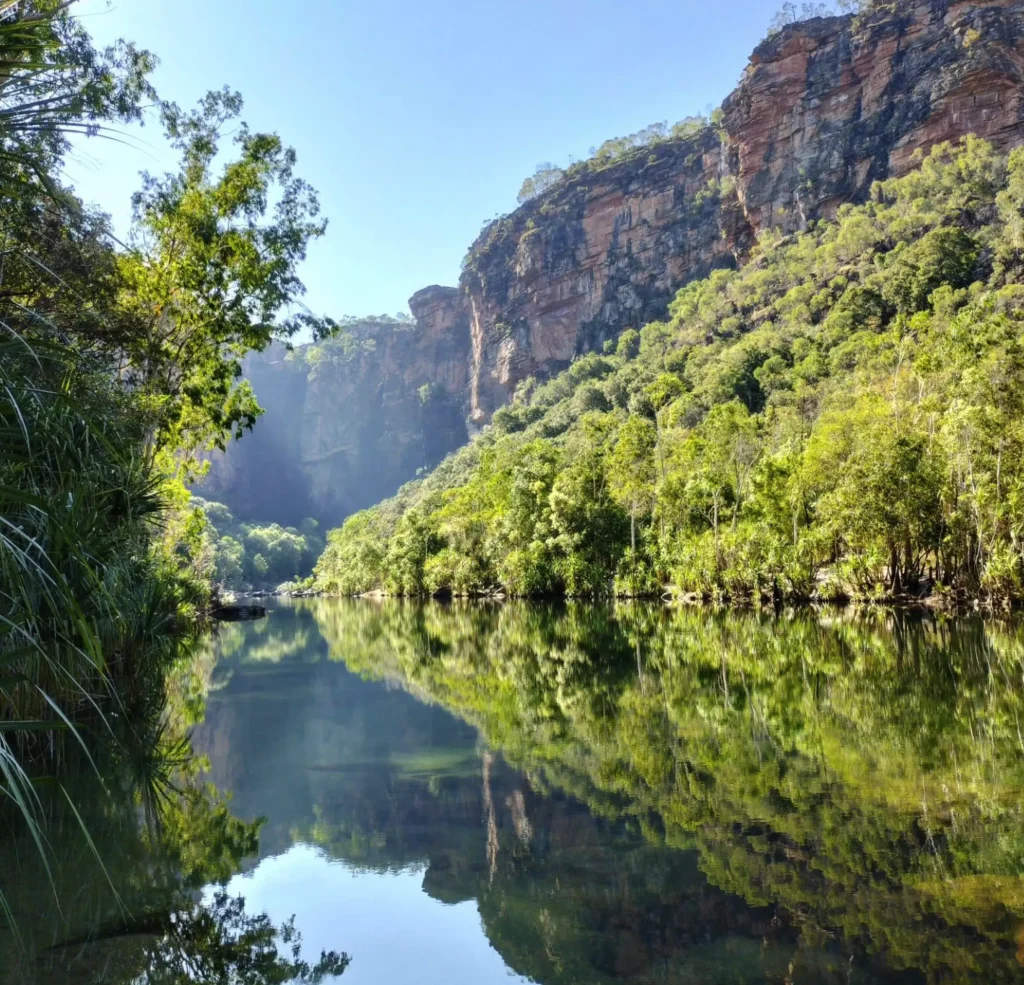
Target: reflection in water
<point x="397" y="932"/>
<point x="115" y="895"/>
<point x="692" y="796"/>
<point x="389" y="784"/>
<point x="589" y="795"/>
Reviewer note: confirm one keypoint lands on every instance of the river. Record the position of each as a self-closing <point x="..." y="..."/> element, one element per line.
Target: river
<point x="470" y="794"/>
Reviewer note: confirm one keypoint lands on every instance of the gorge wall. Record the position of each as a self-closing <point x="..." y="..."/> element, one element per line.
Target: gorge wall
<point x="825" y="108"/>
<point x="349" y="420"/>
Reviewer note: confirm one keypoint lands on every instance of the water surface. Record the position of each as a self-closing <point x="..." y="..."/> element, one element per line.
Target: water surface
<point x="476" y="794"/>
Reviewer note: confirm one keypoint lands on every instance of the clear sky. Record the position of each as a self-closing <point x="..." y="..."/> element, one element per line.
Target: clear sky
<point x="417" y="120"/>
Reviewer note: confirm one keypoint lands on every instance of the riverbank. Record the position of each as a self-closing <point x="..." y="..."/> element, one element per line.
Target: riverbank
<point x="936" y="603"/>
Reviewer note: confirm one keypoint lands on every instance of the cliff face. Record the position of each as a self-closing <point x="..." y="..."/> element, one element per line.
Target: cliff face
<point x="350" y="420"/>
<point x="825" y="108"/>
<point x="829" y="106"/>
<point x="600" y="252"/>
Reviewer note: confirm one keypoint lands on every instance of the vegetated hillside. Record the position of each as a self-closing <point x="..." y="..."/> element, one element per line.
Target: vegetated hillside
<point x="840" y="417"/>
<point x="825" y="107"/>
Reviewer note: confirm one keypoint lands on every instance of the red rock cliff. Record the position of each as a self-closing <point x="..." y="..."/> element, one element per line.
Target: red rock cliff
<point x="826" y="107"/>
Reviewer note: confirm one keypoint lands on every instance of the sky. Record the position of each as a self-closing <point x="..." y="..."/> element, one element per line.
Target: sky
<point x="417" y="121"/>
<point x="393" y="930"/>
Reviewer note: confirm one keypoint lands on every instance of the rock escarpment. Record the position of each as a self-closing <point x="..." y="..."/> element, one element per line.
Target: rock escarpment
<point x="831" y="105"/>
<point x="349" y="420"/>
<point x="603" y="250"/>
<point x="825" y="108"/>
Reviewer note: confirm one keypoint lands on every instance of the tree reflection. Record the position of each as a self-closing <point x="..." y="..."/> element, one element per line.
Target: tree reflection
<point x="860" y="773"/>
<point x="220" y="943"/>
<point x="130" y="887"/>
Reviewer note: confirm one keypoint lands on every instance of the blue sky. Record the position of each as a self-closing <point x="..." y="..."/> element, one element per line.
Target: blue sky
<point x="417" y="121"/>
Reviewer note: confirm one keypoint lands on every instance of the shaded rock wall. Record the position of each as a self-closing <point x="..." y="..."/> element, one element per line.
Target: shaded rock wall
<point x="349" y="421"/>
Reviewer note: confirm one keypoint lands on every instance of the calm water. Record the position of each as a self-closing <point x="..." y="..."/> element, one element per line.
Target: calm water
<point x="470" y="795"/>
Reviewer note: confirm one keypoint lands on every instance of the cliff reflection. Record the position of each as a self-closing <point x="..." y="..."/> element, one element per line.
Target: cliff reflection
<point x="639" y="794"/>
<point x="855" y="781"/>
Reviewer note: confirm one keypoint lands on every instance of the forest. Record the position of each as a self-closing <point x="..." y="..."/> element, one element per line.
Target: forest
<point x="121" y="363"/>
<point x="264" y="556"/>
<point x="839" y="418"/>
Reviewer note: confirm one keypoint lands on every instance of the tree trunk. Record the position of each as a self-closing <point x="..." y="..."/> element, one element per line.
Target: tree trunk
<point x="894" y="570"/>
<point x="718" y="551"/>
<point x="661" y="451"/>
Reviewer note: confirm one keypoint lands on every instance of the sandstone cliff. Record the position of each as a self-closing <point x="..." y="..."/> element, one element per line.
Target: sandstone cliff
<point x="349" y="420"/>
<point x="825" y="108"/>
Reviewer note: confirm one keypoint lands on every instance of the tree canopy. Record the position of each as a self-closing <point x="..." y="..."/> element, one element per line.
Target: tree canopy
<point x="119" y="362"/>
<point x="838" y="418"/>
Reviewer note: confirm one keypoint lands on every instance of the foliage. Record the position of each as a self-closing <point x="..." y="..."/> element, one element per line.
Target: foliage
<point x="839" y="418"/>
<point x="116" y="364"/>
<point x="207" y="278"/>
<point x="542" y="179"/>
<point x="791" y="13"/>
<point x="550" y="176"/>
<point x="258" y="555"/>
<point x="83" y="601"/>
<point x="220" y="943"/>
<point x="56" y="84"/>
<point x="86" y="607"/>
<point x="149" y="900"/>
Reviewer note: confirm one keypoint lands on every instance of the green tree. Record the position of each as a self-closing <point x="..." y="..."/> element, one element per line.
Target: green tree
<point x="628" y="346"/>
<point x="886" y="499"/>
<point x="631" y="471"/>
<point x="941" y="257"/>
<point x="546" y="176"/>
<point x="411" y="545"/>
<point x="660" y="394"/>
<point x="589" y="526"/>
<point x="210" y="276"/>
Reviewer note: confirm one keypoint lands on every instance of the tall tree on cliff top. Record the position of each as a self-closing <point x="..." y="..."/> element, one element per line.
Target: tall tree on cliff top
<point x="792" y="13"/>
<point x="546" y="175"/>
